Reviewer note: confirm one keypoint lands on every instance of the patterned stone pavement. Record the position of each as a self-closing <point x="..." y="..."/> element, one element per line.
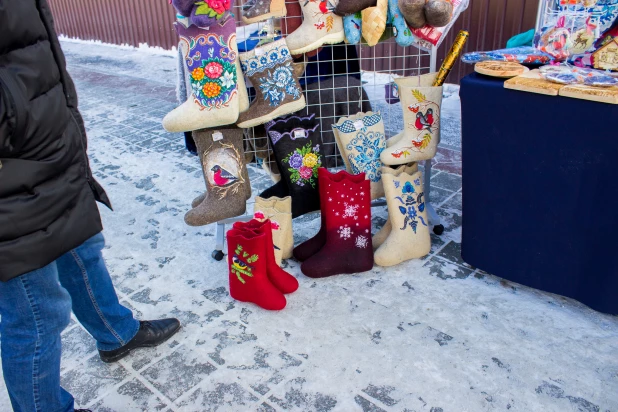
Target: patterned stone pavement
<point x="428" y="335"/>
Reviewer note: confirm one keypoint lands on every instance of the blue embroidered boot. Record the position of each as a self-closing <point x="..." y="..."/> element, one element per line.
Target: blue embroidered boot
<point x="403" y="34"/>
<point x="361" y="141"/>
<point x="269" y="68"/>
<point x="352" y="26"/>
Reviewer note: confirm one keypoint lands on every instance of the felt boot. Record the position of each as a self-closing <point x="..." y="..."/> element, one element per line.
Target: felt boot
<point x="345" y="7"/>
<point x="278" y="92"/>
<point x="346" y="207"/>
<point x="403" y="34"/>
<point x="282" y="280"/>
<point x="361" y="138"/>
<point x="352" y="24"/>
<point x="226" y="179"/>
<point x="413" y="12"/>
<point x="409" y="237"/>
<point x="297" y="149"/>
<point x="248" y="266"/>
<point x="380" y="237"/>
<point x="421" y="104"/>
<point x="259" y="10"/>
<point x="207" y="13"/>
<point x="374" y="22"/>
<point x="210" y="58"/>
<point x="279" y="212"/>
<point x="320" y="26"/>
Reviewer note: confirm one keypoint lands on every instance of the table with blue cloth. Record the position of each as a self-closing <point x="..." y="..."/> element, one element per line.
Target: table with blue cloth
<point x="540" y="190"/>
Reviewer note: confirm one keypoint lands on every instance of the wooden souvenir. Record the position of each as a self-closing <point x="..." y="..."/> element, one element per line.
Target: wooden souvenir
<point x="500" y="69"/>
<point x="606" y="58"/>
<point x="595" y="94"/>
<point x="533" y="82"/>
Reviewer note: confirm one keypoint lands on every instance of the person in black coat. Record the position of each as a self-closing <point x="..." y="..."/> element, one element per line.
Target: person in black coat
<point x="50" y="228"/>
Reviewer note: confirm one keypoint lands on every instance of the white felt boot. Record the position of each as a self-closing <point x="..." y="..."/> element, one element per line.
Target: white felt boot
<point x="421" y="104"/>
<point x="320" y="26"/>
<point x="361" y="140"/>
<point x="409" y="238"/>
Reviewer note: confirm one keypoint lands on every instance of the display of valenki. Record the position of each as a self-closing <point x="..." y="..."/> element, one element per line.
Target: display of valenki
<point x="409" y="237"/>
<point x="223" y="163"/>
<point x="383" y="234"/>
<point x="282" y="280"/>
<point x="278" y="92"/>
<point x="211" y="65"/>
<point x="297" y="150"/>
<point x="421" y="105"/>
<point x="279" y="212"/>
<point x="320" y="26"/>
<point x="254" y="11"/>
<point x="361" y="141"/>
<point x="374" y="22"/>
<point x="346" y="206"/>
<point x="248" y="270"/>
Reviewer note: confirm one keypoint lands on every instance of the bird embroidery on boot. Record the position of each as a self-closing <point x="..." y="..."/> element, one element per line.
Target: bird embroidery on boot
<point x="222" y="177"/>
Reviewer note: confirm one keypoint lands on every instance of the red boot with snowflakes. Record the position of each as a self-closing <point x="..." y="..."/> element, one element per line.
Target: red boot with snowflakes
<point x="248" y="265"/>
<point x="285" y="282"/>
<point x="346" y="207"/>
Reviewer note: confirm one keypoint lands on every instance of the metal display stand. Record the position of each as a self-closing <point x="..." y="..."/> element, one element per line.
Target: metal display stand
<point x="382" y="64"/>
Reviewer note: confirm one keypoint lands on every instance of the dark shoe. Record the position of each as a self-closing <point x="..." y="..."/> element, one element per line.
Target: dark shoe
<point x="151" y="333"/>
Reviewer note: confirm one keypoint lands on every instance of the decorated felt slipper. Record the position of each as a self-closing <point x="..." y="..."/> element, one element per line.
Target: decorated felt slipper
<point x="320" y="26"/>
<point x="352" y="24"/>
<point x="279" y="212"/>
<point x="403" y="35"/>
<point x="361" y="141"/>
<point x="259" y="10"/>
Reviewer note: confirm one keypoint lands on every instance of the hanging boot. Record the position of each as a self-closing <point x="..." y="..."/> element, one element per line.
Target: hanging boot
<point x="279" y="212"/>
<point x="248" y="266"/>
<point x="282" y="280"/>
<point x="346" y="207"/>
<point x="278" y="92"/>
<point x="211" y="63"/>
<point x="320" y="26"/>
<point x="403" y="34"/>
<point x="226" y="179"/>
<point x="259" y="10"/>
<point x="421" y="104"/>
<point x="374" y="22"/>
<point x="296" y="145"/>
<point x="383" y="234"/>
<point x="409" y="237"/>
<point x="352" y="26"/>
<point x="345" y="7"/>
<point x="361" y="138"/>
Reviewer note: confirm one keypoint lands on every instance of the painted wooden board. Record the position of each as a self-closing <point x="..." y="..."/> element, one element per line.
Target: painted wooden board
<point x="533" y="82"/>
<point x="500" y="69"/>
<point x="595" y="94"/>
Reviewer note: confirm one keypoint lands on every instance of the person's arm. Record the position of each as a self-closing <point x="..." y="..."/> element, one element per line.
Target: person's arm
<point x="12" y="112"/>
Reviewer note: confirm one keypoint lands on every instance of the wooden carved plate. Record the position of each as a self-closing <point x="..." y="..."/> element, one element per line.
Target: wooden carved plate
<point x="503" y="70"/>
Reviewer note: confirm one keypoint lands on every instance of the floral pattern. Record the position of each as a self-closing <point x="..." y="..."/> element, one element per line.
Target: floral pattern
<point x="365" y="150"/>
<point x="270" y="59"/>
<point x="279" y="83"/>
<point x="304" y="163"/>
<point x="212" y="8"/>
<point x="212" y="79"/>
<point x="412" y="204"/>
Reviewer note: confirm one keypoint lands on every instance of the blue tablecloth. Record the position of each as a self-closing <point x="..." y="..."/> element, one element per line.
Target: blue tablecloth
<point x="540" y="190"/>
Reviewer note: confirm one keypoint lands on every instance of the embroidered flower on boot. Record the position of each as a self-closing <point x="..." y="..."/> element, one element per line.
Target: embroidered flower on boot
<point x="304" y="163"/>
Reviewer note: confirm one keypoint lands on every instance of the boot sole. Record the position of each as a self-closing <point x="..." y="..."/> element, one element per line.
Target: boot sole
<point x="278" y="112"/>
<point x="333" y="38"/>
<point x="127" y="353"/>
<point x="273" y="14"/>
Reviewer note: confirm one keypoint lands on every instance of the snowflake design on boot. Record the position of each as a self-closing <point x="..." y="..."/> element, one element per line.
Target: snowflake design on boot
<point x="350" y="210"/>
<point x="361" y="242"/>
<point x="345" y="232"/>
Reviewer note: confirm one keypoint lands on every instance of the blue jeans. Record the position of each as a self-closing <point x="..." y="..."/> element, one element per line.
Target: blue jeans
<point x="36" y="307"/>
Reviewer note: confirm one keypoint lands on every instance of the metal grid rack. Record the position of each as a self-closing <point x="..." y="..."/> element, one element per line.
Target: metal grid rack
<point x="362" y="88"/>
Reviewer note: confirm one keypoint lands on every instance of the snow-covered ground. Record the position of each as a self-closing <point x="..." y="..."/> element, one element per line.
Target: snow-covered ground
<point x="428" y="335"/>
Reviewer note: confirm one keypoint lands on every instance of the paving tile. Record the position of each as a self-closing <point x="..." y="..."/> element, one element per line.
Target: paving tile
<point x="446" y="270"/>
<point x="294" y="396"/>
<point x="452" y="253"/>
<point x="216" y="396"/>
<point x="178" y="372"/>
<point x="437" y="196"/>
<point x="132" y="393"/>
<point x="446" y="181"/>
<point x="77" y="344"/>
<point x="92" y="380"/>
<point x="454" y="203"/>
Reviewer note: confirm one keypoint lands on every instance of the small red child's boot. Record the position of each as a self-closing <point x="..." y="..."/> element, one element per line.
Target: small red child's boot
<point x="346" y="207"/>
<point x="285" y="282"/>
<point x="247" y="262"/>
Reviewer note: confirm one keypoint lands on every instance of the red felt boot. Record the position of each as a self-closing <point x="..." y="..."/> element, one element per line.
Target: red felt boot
<point x="247" y="262"/>
<point x="285" y="282"/>
<point x="346" y="207"/>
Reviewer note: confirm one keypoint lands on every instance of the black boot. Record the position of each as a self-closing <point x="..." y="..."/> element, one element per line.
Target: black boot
<point x="151" y="333"/>
<point x="297" y="147"/>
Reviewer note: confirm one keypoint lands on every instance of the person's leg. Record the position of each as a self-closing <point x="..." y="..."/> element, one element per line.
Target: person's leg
<point x="35" y="309"/>
<point x="83" y="273"/>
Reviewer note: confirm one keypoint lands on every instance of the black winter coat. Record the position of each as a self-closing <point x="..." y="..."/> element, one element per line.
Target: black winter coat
<point x="47" y="193"/>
